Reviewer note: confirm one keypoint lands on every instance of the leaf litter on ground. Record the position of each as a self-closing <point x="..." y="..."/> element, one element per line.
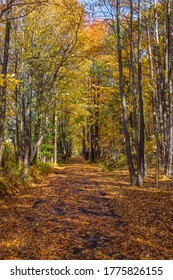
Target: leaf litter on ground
<point x="81" y="212"/>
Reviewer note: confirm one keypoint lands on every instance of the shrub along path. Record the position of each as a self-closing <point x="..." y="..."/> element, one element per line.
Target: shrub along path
<point x="81" y="212"/>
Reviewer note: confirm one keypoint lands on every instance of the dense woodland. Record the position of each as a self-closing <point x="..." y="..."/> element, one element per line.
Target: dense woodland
<point x="91" y="78"/>
<point x="86" y="99"/>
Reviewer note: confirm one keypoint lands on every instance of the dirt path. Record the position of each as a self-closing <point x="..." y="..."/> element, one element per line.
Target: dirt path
<point x="81" y="212"/>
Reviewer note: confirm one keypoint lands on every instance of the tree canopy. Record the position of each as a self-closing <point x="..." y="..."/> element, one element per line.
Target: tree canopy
<point x="87" y="77"/>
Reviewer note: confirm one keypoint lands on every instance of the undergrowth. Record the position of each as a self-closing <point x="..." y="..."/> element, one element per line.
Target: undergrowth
<point x="38" y="171"/>
<point x="11" y="173"/>
<point x="110" y="165"/>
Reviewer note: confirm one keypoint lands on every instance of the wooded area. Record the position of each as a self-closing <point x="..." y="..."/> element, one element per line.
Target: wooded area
<point x="105" y="81"/>
<point x="90" y="79"/>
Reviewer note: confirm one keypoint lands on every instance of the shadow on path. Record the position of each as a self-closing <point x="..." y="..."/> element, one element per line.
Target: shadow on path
<point x="81" y="212"/>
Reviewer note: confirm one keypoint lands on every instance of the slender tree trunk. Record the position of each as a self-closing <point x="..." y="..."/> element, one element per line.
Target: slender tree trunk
<point x="160" y="89"/>
<point x="96" y="125"/>
<point x="124" y="110"/>
<point x="55" y="150"/>
<point x="37" y="132"/>
<point x="133" y="85"/>
<point x="96" y="141"/>
<point x="170" y="90"/>
<point x="92" y="154"/>
<point x="84" y="149"/>
<point x="27" y="142"/>
<point x="154" y="103"/>
<point x="141" y="170"/>
<point x="19" y="144"/>
<point x="87" y="140"/>
<point x="4" y="73"/>
<point x="40" y="140"/>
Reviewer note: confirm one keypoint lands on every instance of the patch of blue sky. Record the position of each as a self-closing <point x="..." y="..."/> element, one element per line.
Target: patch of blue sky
<point x="95" y="9"/>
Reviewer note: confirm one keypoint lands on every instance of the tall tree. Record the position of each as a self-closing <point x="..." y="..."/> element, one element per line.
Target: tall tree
<point x="169" y="62"/>
<point x="124" y="109"/>
<point x="4" y="59"/>
<point x="141" y="110"/>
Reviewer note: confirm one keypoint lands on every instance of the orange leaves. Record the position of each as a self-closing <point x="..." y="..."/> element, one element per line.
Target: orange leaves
<point x="96" y="32"/>
<point x="85" y="213"/>
<point x="94" y="36"/>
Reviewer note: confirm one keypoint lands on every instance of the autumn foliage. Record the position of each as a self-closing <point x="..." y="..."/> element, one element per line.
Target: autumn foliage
<point x="90" y="83"/>
<point x="81" y="212"/>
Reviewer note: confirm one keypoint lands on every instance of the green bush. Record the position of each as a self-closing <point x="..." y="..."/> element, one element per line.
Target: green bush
<point x="122" y="161"/>
<point x="44" y="167"/>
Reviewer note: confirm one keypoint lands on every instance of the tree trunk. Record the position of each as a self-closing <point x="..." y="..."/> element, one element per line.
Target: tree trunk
<point x="27" y="143"/>
<point x="170" y="90"/>
<point x="160" y="89"/>
<point x="92" y="154"/>
<point x="124" y="110"/>
<point x="55" y="150"/>
<point x="84" y="149"/>
<point x="4" y="73"/>
<point x="154" y="104"/>
<point x="141" y="170"/>
<point x="133" y="85"/>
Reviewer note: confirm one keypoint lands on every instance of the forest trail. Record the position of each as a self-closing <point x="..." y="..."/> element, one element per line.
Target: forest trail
<point x="81" y="212"/>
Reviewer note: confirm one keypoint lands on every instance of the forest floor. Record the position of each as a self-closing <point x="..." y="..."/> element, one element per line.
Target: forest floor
<point x="81" y="212"/>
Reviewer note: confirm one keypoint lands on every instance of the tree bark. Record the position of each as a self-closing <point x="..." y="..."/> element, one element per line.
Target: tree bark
<point x="170" y="90"/>
<point x="154" y="103"/>
<point x="133" y="84"/>
<point x="55" y="150"/>
<point x="4" y="74"/>
<point x="160" y="89"/>
<point x="123" y="100"/>
<point x="141" y="170"/>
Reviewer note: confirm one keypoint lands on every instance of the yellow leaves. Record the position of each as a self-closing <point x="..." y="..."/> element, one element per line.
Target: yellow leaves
<point x="93" y="37"/>
<point x="11" y="243"/>
<point x="164" y="178"/>
<point x="96" y="32"/>
<point x="144" y="242"/>
<point x="9" y="80"/>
